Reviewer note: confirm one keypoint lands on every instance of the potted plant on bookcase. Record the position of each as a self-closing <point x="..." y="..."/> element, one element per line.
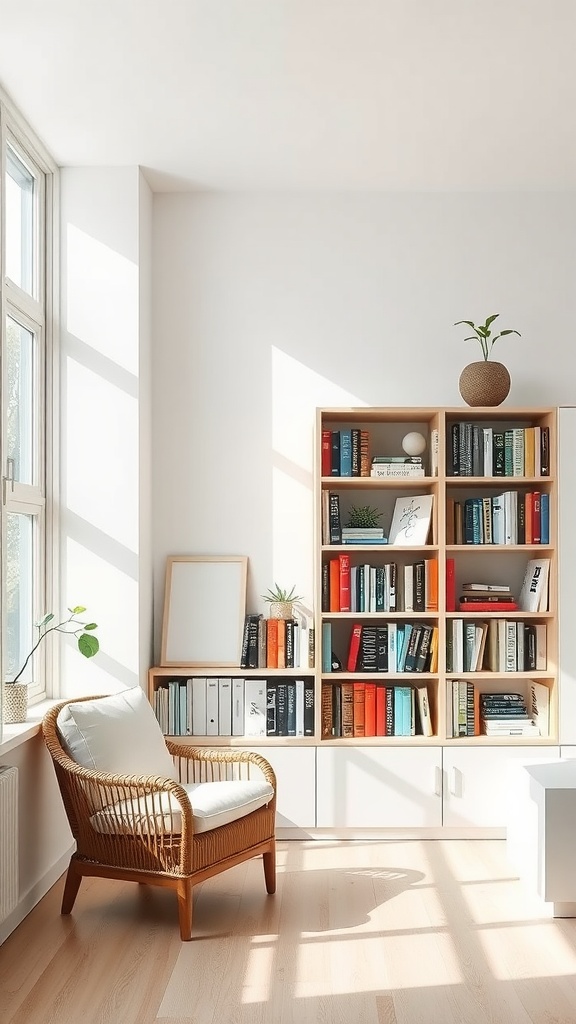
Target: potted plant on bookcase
<point x="15" y="693"/>
<point x="485" y="382"/>
<point x="281" y="601"/>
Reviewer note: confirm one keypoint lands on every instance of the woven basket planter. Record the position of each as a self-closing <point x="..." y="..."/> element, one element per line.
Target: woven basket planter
<point x="280" y="609"/>
<point x="484" y="383"/>
<point x="14" y="703"/>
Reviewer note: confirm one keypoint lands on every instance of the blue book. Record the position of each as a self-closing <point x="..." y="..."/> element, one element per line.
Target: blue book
<point x="398" y="711"/>
<point x="345" y="453"/>
<point x="544" y="518"/>
<point x="407" y="710"/>
<point x="405" y="644"/>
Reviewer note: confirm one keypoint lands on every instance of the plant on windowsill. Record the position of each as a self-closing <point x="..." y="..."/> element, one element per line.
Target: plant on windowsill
<point x="15" y="694"/>
<point x="281" y="601"/>
<point x="486" y="382"/>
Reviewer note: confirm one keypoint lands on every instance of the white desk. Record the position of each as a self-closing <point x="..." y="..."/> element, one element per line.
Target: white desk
<point x="541" y="832"/>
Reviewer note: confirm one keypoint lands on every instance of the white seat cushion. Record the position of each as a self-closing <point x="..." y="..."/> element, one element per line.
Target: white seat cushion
<point x="213" y="804"/>
<point x="118" y="734"/>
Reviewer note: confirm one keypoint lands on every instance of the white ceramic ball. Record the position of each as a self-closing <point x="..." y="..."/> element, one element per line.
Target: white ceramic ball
<point x="413" y="443"/>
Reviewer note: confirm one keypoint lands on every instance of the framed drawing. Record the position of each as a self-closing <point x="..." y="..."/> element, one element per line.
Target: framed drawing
<point x="411" y="520"/>
<point x="204" y="609"/>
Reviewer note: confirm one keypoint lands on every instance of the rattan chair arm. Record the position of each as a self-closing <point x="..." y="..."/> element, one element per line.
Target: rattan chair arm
<point x="224" y="756"/>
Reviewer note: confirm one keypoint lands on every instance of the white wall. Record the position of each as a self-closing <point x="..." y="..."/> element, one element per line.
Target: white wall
<point x="267" y="306"/>
<point x="104" y="506"/>
<point x="105" y="422"/>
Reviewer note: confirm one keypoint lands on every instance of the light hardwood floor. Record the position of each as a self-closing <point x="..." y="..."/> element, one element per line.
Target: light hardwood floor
<point x="358" y="933"/>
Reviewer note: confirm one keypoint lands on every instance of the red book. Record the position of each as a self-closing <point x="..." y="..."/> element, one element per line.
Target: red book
<point x="370" y="709"/>
<point x="450" y="585"/>
<point x="354" y="648"/>
<point x="272" y="643"/>
<point x="334" y="585"/>
<point x="344" y="561"/>
<point x="359" y="709"/>
<point x="326" y="452"/>
<point x="380" y="710"/>
<point x="488" y="606"/>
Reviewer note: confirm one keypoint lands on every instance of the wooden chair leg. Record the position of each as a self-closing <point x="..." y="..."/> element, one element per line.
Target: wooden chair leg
<point x="185" y="909"/>
<point x="72" y="884"/>
<point x="270" y="868"/>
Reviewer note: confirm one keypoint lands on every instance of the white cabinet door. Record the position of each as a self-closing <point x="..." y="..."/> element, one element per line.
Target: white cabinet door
<point x="373" y="787"/>
<point x="569" y="752"/>
<point x="477" y="783"/>
<point x="295" y="769"/>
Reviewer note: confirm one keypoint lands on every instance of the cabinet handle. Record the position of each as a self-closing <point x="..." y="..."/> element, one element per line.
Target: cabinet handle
<point x="456" y="782"/>
<point x="438" y="780"/>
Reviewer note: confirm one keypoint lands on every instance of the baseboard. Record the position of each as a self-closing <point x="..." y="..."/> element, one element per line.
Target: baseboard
<point x="34" y="895"/>
<point x="390" y="834"/>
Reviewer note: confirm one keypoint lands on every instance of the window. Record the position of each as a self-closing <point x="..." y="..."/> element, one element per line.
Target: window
<point x="26" y="193"/>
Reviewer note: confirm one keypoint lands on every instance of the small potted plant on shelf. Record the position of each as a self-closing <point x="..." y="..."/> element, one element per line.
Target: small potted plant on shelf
<point x="14" y="693"/>
<point x="281" y="601"/>
<point x="485" y="382"/>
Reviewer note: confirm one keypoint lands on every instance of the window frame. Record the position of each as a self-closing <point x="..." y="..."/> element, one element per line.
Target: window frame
<point x="38" y="313"/>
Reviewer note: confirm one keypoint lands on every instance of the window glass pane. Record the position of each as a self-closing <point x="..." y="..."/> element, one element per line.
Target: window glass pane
<point x="19" y="400"/>
<point x="20" y="194"/>
<point x="19" y="595"/>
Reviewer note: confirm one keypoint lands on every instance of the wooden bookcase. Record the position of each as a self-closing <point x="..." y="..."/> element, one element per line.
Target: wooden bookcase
<point x="473" y="562"/>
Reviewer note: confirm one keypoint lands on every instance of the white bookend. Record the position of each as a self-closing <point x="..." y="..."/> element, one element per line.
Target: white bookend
<point x="424" y="709"/>
<point x="540" y="706"/>
<point x="408" y="588"/>
<point x="392" y="647"/>
<point x="198" y="707"/>
<point x="225" y="707"/>
<point x="237" y="707"/>
<point x="254" y="707"/>
<point x="189" y="707"/>
<point x="299" y="707"/>
<point x="541" y="654"/>
<point x="487" y="437"/>
<point x="457" y="645"/>
<point x="534" y="590"/>
<point x="211" y="707"/>
<point x="411" y="519"/>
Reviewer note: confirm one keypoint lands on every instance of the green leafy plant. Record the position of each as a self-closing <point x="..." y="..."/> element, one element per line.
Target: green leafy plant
<point x="88" y="644"/>
<point x="281" y="595"/>
<point x="483" y="333"/>
<point x="363" y="515"/>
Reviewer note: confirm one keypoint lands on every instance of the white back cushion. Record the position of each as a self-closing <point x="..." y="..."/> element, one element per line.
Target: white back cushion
<point x="118" y="734"/>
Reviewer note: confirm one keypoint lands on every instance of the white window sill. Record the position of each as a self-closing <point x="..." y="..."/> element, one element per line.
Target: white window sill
<point x="14" y="735"/>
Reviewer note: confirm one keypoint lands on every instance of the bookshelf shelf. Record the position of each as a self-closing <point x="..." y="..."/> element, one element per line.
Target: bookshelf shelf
<point x="457" y="440"/>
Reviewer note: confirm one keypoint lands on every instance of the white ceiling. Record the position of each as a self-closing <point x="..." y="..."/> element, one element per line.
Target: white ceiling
<point x="301" y="94"/>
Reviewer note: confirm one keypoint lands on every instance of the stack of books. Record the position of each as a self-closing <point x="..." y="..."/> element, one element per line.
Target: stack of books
<point x="487" y="597"/>
<point x="363" y="535"/>
<point x="397" y="466"/>
<point x="506" y="714"/>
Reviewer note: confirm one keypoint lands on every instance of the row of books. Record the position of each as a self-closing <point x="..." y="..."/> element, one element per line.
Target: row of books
<point x="279" y="643"/>
<point x="472" y="713"/>
<point x="379" y="588"/>
<point x="345" y="452"/>
<point x="478" y="450"/>
<point x="500" y="645"/>
<point x="512" y="517"/>
<point x="352" y="709"/>
<point x="390" y="647"/>
<point x="235" y="707"/>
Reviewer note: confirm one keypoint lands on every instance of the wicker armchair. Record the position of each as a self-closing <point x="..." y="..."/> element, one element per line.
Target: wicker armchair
<point x="142" y="828"/>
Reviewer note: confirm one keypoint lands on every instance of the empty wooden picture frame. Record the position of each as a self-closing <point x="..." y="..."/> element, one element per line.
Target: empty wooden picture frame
<point x="204" y="609"/>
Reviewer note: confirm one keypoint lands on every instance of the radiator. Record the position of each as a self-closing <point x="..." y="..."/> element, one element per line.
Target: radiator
<point x="8" y="840"/>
